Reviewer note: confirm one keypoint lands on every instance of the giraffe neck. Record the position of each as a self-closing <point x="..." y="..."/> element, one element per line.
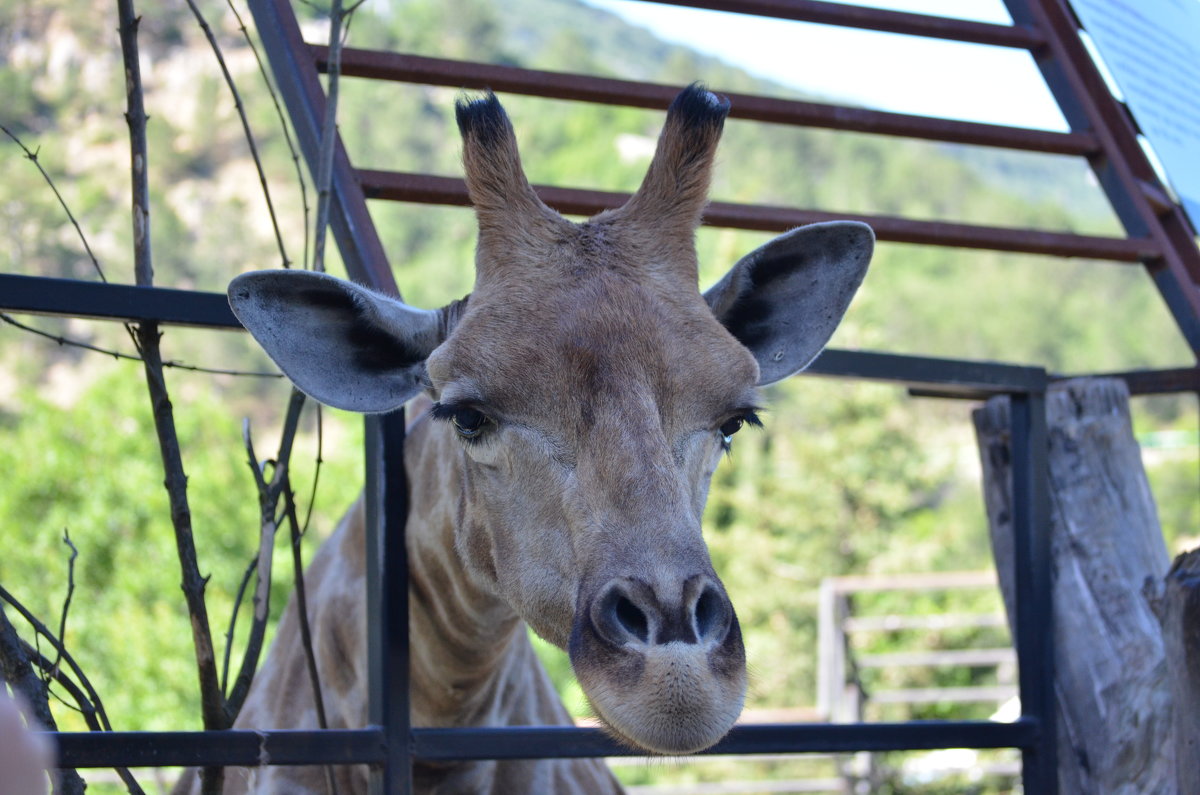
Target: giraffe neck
<point x="471" y="660"/>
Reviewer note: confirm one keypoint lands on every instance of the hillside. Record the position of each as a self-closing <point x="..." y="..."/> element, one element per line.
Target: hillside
<point x="846" y="478"/>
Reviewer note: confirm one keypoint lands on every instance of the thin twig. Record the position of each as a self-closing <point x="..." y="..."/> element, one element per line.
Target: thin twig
<point x="83" y="704"/>
<point x="314" y="676"/>
<point x="16" y="669"/>
<point x="62" y="621"/>
<point x="241" y="111"/>
<point x="283" y="124"/>
<point x="84" y="708"/>
<point x="33" y="158"/>
<point x="135" y="119"/>
<point x="233" y="616"/>
<point x="146" y="339"/>
<point x="44" y="632"/>
<point x="119" y="355"/>
<point x="262" y="591"/>
<point x="333" y="71"/>
<point x="312" y="496"/>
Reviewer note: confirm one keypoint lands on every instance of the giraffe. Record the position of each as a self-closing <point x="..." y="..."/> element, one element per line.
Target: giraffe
<point x="569" y="415"/>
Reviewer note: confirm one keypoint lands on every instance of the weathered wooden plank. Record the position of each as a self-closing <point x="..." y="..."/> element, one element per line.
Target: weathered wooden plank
<point x="1176" y="602"/>
<point x="1114" y="701"/>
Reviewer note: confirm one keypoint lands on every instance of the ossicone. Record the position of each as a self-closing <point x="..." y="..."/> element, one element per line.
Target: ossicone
<point x="669" y="204"/>
<point x="505" y="204"/>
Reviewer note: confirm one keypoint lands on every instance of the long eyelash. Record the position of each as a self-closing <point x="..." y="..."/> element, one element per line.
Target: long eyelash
<point x="443" y="411"/>
<point x="751" y="418"/>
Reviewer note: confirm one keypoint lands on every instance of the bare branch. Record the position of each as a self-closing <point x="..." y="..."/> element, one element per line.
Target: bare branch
<point x="33" y="158"/>
<point x="333" y="73"/>
<point x="262" y="591"/>
<point x="283" y="123"/>
<point x="146" y="339"/>
<point x="135" y="118"/>
<point x="212" y="702"/>
<point x="83" y="704"/>
<point x="16" y="669"/>
<point x="241" y="111"/>
<point x="119" y="355"/>
<point x="233" y="616"/>
<point x="43" y="631"/>
<point x="85" y="707"/>
<point x="314" y="676"/>
<point x="312" y="496"/>
<point x="62" y="621"/>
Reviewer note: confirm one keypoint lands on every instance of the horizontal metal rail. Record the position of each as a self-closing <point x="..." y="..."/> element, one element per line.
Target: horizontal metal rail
<point x="429" y="189"/>
<point x="947" y="377"/>
<point x="246" y="748"/>
<point x="401" y="67"/>
<point x="1150" y="382"/>
<point x="41" y="295"/>
<point x="865" y="18"/>
<point x="558" y="742"/>
<point x="238" y="747"/>
<point x="72" y="298"/>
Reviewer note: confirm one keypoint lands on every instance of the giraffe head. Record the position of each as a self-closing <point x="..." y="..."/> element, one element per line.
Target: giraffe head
<point x="592" y="389"/>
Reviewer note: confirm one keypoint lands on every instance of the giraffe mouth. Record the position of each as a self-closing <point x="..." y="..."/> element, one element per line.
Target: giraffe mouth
<point x="658" y="691"/>
<point x="678" y="705"/>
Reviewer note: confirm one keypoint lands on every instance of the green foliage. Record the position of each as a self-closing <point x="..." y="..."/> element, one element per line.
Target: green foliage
<point x="88" y="464"/>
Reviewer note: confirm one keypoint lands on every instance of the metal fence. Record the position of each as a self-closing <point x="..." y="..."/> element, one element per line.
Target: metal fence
<point x="1158" y="236"/>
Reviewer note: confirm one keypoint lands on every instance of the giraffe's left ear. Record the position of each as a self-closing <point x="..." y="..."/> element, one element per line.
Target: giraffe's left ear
<point x="784" y="299"/>
<point x="340" y="343"/>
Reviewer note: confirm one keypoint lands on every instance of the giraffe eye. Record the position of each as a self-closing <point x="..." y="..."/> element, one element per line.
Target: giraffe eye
<point x="731" y="426"/>
<point x="468" y="422"/>
<point x="734" y="424"/>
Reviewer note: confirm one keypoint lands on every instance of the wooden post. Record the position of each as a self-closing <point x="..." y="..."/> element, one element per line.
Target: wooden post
<point x="1176" y="602"/>
<point x="1111" y="674"/>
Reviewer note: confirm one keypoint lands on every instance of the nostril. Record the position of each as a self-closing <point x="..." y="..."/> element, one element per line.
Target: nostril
<point x="631" y="618"/>
<point x="712" y="614"/>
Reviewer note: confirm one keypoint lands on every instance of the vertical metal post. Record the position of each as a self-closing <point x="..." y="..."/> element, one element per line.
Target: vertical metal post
<point x="1034" y="596"/>
<point x="387" y="600"/>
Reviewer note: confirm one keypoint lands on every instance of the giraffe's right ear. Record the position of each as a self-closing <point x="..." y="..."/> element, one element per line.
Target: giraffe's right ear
<point x="340" y="343"/>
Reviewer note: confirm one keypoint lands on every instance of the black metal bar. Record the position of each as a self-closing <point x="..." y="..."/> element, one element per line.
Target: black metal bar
<point x="369" y="746"/>
<point x="235" y="747"/>
<point x="545" y="742"/>
<point x="968" y="379"/>
<point x="387" y="600"/>
<point x="403" y="67"/>
<point x="1150" y="382"/>
<point x="1034" y="603"/>
<point x="75" y="298"/>
<point x="300" y="87"/>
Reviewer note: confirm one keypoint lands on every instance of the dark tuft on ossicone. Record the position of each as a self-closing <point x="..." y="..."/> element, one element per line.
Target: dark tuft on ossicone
<point x="482" y="118"/>
<point x="696" y="106"/>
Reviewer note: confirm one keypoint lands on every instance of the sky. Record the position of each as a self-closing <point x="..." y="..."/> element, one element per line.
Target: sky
<point x="1152" y="44"/>
<point x="905" y="74"/>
